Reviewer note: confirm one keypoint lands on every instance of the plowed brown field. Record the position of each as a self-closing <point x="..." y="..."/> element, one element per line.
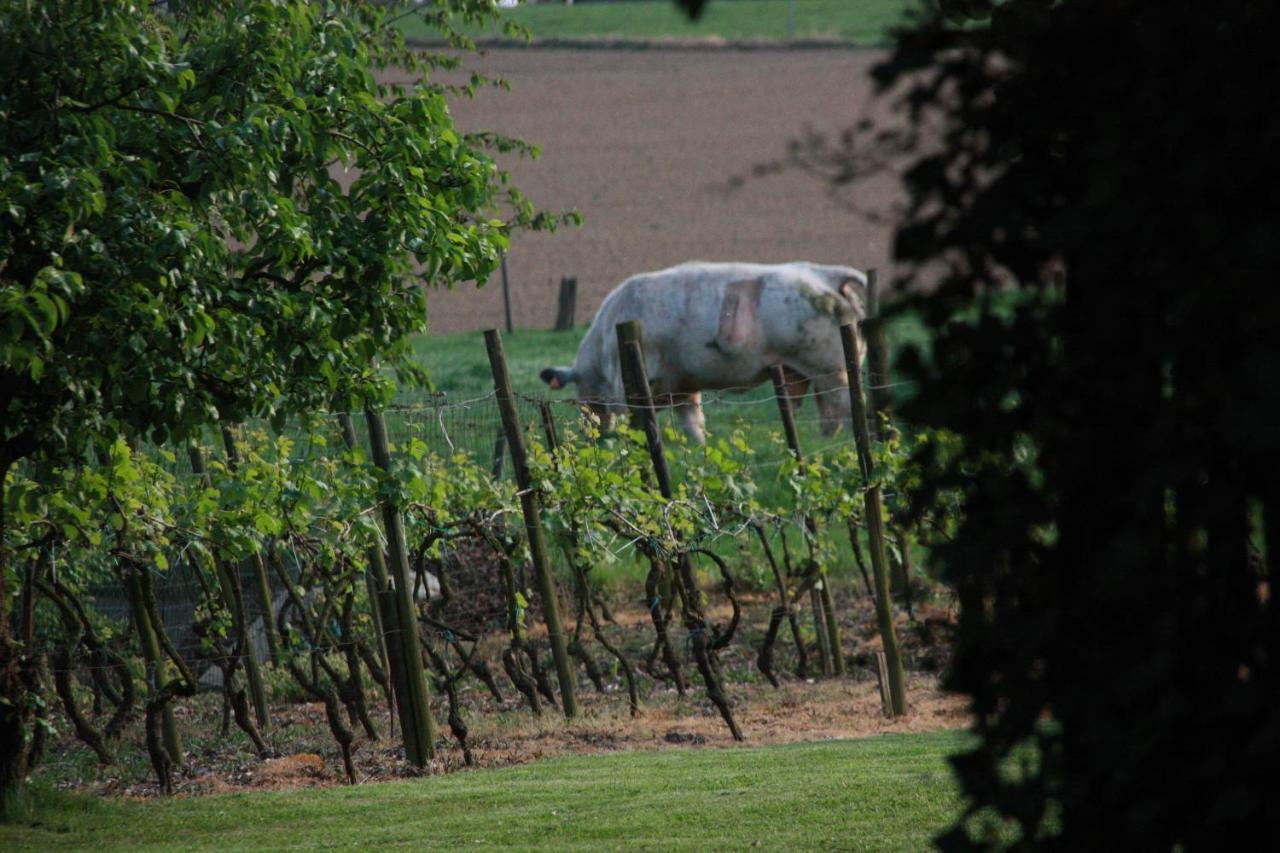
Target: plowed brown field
<point x="658" y="149"/>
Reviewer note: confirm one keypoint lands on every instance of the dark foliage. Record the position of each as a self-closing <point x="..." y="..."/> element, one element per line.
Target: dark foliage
<point x="1100" y="232"/>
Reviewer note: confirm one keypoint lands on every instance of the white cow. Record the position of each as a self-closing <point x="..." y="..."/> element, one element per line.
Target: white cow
<point x="712" y="326"/>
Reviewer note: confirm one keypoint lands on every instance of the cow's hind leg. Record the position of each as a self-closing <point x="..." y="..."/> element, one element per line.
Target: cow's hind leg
<point x="692" y="419"/>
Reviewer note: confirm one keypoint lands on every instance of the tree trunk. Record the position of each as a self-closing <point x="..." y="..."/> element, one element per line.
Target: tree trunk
<point x="15" y="705"/>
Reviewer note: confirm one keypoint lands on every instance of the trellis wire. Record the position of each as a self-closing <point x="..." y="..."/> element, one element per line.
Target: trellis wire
<point x="468" y="427"/>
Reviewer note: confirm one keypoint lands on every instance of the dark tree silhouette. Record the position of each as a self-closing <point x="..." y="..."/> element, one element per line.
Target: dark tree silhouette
<point x="1103" y="211"/>
<point x="1093" y="239"/>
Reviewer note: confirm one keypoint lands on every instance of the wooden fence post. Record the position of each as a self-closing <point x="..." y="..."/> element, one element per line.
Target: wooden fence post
<point x="499" y="454"/>
<point x="881" y="397"/>
<point x="568" y="303"/>
<point x="529" y="503"/>
<point x="157" y="670"/>
<point x="258" y="562"/>
<point x="832" y="656"/>
<point x="882" y="680"/>
<point x="375" y="580"/>
<point x="877" y="356"/>
<point x="233" y="598"/>
<point x="506" y="291"/>
<point x="640" y="398"/>
<point x="586" y="603"/>
<point x="412" y="693"/>
<point x="875" y="521"/>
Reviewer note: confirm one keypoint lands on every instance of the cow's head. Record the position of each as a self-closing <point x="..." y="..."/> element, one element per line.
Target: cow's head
<point x="592" y="393"/>
<point x="559" y="377"/>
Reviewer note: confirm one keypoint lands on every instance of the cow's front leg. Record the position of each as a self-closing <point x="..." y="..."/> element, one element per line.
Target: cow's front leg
<point x="692" y="420"/>
<point x="832" y="395"/>
<point x="599" y="414"/>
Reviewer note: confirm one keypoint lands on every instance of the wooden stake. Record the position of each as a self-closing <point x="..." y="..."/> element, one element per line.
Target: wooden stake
<point x="157" y="669"/>
<point x="882" y="679"/>
<point x="568" y="303"/>
<point x="375" y="579"/>
<point x="259" y="564"/>
<point x="506" y="292"/>
<point x="233" y="598"/>
<point x="529" y="504"/>
<point x="881" y="396"/>
<point x="875" y="521"/>
<point x="824" y="613"/>
<point x="877" y="357"/>
<point x="499" y="455"/>
<point x="640" y="398"/>
<point x="412" y="694"/>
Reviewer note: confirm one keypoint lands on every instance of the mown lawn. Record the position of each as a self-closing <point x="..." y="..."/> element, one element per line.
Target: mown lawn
<point x="885" y="793"/>
<point x="863" y="22"/>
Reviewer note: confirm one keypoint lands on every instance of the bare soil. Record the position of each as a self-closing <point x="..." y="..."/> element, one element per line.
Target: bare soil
<point x="666" y="154"/>
<point x="507" y="733"/>
<point x="795" y="713"/>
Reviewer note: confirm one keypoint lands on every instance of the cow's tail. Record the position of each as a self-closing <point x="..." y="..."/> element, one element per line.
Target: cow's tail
<point x="559" y="377"/>
<point x="854" y="292"/>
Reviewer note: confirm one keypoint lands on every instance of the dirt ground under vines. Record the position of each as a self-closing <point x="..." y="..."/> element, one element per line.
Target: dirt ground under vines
<point x="506" y="733"/>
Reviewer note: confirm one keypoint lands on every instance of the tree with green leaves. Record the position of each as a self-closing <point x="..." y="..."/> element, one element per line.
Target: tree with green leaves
<point x="211" y="211"/>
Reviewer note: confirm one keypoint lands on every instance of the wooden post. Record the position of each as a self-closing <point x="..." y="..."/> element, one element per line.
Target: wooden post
<point x="506" y="291"/>
<point x="157" y="670"/>
<point x="499" y="454"/>
<point x="529" y="503"/>
<point x="586" y="603"/>
<point x="233" y="598"/>
<point x="635" y="379"/>
<point x="412" y="694"/>
<point x="877" y="356"/>
<point x="640" y="398"/>
<point x="882" y="679"/>
<point x="820" y="632"/>
<point x="881" y="397"/>
<point x="258" y="562"/>
<point x="568" y="303"/>
<point x="375" y="580"/>
<point x="828" y="603"/>
<point x="875" y="522"/>
<point x="832" y="656"/>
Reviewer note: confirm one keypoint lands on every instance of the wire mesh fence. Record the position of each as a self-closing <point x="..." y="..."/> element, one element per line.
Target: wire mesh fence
<point x="471" y="427"/>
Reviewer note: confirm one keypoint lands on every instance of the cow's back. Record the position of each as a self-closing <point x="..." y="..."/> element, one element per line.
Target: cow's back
<point x="720" y="325"/>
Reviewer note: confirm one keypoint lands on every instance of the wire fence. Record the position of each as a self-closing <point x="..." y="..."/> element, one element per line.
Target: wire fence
<point x="472" y="427"/>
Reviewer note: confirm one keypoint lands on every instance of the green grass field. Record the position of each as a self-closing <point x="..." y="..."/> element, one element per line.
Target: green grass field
<point x="884" y="793"/>
<point x="459" y="368"/>
<point x="863" y="22"/>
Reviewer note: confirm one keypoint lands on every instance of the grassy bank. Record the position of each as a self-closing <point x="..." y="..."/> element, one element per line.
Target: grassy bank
<point x="866" y="22"/>
<point x="886" y="793"/>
